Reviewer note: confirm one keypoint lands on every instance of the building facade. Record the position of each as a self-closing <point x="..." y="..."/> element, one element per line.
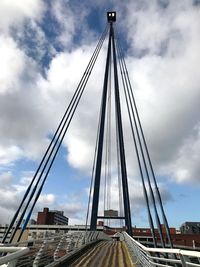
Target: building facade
<point x="51" y="217"/>
<point x="37" y="231"/>
<point x="190" y="228"/>
<point x="110" y="213"/>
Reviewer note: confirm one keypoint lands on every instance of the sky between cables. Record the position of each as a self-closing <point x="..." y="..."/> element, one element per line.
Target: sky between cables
<point x="44" y="49"/>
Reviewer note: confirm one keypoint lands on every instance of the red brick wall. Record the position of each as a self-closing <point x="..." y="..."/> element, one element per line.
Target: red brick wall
<point x="45" y="217"/>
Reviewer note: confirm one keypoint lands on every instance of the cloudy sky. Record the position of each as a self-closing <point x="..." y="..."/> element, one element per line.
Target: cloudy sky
<point x="44" y="49"/>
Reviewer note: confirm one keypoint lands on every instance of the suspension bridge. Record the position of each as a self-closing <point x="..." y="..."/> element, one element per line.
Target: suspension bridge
<point x="91" y="246"/>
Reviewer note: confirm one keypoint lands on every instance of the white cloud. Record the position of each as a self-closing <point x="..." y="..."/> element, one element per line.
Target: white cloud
<point x="9" y="154"/>
<point x="66" y="20"/>
<point x="13" y="13"/>
<point x="71" y="18"/>
<point x="13" y="188"/>
<point x="64" y="74"/>
<point x="5" y="178"/>
<point x="46" y="199"/>
<point x="11" y="193"/>
<point x="165" y="76"/>
<point x="12" y="65"/>
<point x="72" y="210"/>
<point x="9" y="197"/>
<point x="18" y="88"/>
<point x="186" y="166"/>
<point x="165" y="80"/>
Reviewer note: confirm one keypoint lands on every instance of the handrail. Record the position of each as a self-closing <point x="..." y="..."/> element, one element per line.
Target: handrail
<point x="16" y="252"/>
<point x="50" y="250"/>
<point x="161" y="256"/>
<point x="168" y="250"/>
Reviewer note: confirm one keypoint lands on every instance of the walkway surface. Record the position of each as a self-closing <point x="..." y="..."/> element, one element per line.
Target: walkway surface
<point x="105" y="254"/>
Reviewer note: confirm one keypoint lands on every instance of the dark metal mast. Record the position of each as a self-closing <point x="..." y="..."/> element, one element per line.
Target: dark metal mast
<point x="126" y="200"/>
<point x="95" y="203"/>
<point x="127" y="214"/>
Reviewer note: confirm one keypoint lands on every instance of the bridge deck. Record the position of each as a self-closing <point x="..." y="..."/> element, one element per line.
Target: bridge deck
<point x="105" y="253"/>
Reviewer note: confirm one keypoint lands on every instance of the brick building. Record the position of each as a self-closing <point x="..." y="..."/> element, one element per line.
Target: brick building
<point x="51" y="217"/>
<point x="148" y="230"/>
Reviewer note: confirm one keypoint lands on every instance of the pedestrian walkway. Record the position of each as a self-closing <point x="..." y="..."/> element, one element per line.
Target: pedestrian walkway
<point x="105" y="254"/>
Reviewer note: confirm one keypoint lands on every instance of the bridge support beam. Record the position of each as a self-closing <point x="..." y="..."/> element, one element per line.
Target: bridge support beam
<point x="120" y="137"/>
<point x="119" y="132"/>
<point x="95" y="203"/>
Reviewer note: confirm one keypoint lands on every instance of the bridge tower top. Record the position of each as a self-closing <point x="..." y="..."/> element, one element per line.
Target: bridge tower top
<point x="111" y="16"/>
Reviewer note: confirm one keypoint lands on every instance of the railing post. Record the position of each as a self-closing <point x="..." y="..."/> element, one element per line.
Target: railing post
<point x="70" y="244"/>
<point x="184" y="260"/>
<point x="78" y="240"/>
<point x="84" y="237"/>
<point x="39" y="254"/>
<point x="12" y="263"/>
<point x="91" y="236"/>
<point x="60" y="244"/>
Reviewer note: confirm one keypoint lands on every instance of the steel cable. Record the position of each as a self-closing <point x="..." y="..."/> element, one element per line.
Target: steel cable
<point x="148" y="157"/>
<point x="73" y="103"/>
<point x="121" y="140"/>
<point x="137" y="152"/>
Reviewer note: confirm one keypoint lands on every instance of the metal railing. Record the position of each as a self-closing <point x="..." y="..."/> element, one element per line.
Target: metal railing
<point x="47" y="251"/>
<point x="149" y="257"/>
<point x="10" y="255"/>
<point x="53" y="250"/>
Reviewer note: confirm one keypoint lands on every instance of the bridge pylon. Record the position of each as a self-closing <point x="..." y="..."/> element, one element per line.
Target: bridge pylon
<point x="149" y="184"/>
<point x="111" y="54"/>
